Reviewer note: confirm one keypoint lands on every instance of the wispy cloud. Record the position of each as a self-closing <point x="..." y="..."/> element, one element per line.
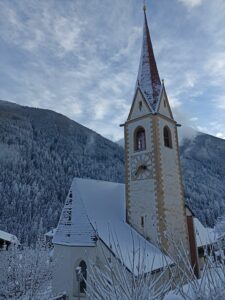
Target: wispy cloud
<point x="191" y="3"/>
<point x="81" y="59"/>
<point x="76" y="58"/>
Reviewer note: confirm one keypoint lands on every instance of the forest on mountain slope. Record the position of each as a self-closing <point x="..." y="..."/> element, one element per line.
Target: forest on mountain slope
<point x="41" y="151"/>
<point x="203" y="168"/>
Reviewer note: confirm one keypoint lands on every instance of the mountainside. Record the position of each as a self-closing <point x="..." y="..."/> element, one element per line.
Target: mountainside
<point x="40" y="152"/>
<point x="203" y="166"/>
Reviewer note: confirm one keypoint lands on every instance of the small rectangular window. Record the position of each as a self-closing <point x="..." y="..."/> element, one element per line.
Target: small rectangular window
<point x="140" y="105"/>
<point x="142" y="221"/>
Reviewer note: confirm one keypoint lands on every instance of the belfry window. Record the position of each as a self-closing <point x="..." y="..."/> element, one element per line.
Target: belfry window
<point x="139" y="139"/>
<point x="167" y="137"/>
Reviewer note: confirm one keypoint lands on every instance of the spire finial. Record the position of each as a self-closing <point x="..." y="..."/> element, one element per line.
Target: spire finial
<point x="144" y="6"/>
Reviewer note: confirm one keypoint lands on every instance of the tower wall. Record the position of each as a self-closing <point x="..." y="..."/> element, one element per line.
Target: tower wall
<point x="155" y="205"/>
<point x="173" y="196"/>
<point x="140" y="194"/>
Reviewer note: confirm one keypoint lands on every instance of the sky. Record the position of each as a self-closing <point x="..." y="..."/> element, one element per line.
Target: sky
<point x="80" y="58"/>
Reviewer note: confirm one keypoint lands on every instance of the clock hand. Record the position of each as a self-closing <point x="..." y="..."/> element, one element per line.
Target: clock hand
<point x="141" y="167"/>
<point x="137" y="171"/>
<point x="144" y="167"/>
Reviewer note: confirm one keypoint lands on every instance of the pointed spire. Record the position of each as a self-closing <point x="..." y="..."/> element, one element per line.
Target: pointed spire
<point x="148" y="79"/>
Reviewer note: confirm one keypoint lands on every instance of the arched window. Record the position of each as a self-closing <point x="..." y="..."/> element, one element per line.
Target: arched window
<point x="81" y="276"/>
<point x="139" y="139"/>
<point x="167" y="137"/>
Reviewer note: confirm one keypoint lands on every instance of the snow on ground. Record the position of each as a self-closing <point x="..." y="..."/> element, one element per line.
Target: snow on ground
<point x="44" y="293"/>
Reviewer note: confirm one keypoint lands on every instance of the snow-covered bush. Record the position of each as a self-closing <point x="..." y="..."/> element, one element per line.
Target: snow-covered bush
<point x="210" y="285"/>
<point x="23" y="271"/>
<point x="116" y="284"/>
<point x="220" y="226"/>
<point x="113" y="281"/>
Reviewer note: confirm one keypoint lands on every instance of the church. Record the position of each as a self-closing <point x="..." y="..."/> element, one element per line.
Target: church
<point x="147" y="213"/>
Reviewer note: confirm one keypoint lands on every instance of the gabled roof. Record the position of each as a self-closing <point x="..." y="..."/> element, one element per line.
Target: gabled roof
<point x="50" y="233"/>
<point x="74" y="227"/>
<point x="148" y="79"/>
<point x="101" y="205"/>
<point x="5" y="236"/>
<point x="133" y="102"/>
<point x="204" y="235"/>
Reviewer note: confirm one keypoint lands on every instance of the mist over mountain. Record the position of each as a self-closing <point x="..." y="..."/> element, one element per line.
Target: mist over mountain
<point x="41" y="151"/>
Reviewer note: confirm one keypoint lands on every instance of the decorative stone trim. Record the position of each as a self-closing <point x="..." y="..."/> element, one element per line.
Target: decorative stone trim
<point x="126" y="135"/>
<point x="182" y="191"/>
<point x="150" y="115"/>
<point x="159" y="186"/>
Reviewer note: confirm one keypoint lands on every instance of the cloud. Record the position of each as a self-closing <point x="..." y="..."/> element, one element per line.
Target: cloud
<point x="188" y="129"/>
<point x="40" y="27"/>
<point x="186" y="133"/>
<point x="73" y="63"/>
<point x="191" y="3"/>
<point x="215" y="68"/>
<point x="82" y="60"/>
<point x="220" y="135"/>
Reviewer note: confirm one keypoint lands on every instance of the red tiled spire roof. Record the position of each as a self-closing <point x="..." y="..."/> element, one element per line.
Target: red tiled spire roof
<point x="148" y="79"/>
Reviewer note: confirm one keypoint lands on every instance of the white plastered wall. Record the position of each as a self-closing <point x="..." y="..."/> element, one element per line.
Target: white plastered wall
<point x="66" y="259"/>
<point x="135" y="110"/>
<point x="164" y="107"/>
<point x="172" y="187"/>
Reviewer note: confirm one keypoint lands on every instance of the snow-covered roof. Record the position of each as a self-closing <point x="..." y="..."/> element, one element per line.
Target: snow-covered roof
<point x="204" y="236"/>
<point x="148" y="79"/>
<point x="99" y="206"/>
<point x="51" y="232"/>
<point x="74" y="227"/>
<point x="9" y="237"/>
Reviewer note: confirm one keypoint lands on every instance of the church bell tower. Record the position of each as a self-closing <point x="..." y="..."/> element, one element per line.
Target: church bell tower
<point x="154" y="193"/>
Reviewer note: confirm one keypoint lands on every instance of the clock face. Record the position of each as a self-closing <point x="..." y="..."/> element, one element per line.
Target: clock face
<point x="141" y="166"/>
